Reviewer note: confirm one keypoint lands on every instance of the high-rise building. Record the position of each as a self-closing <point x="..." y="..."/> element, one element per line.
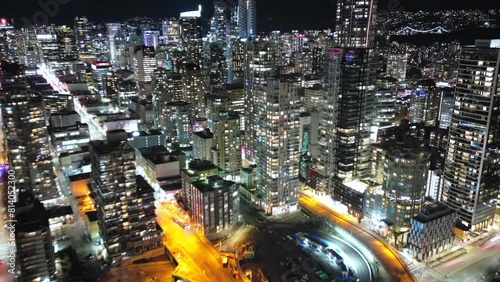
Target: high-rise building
<point x="143" y="63"/>
<point x="228" y="98"/>
<point x="354" y="23"/>
<point x="178" y="123"/>
<point x="171" y="31"/>
<point x="406" y="166"/>
<point x="194" y="88"/>
<point x="247" y="18"/>
<point x="112" y="30"/>
<point x="349" y="76"/>
<point x="166" y="87"/>
<point x="424" y="103"/>
<point x="30" y="53"/>
<point x="220" y="20"/>
<point x="445" y="107"/>
<point x="66" y="43"/>
<point x="471" y="179"/>
<point x="47" y="42"/>
<point x="347" y="116"/>
<point x="151" y="38"/>
<point x="28" y="143"/>
<point x="258" y="68"/>
<point x="35" y="253"/>
<point x="126" y="226"/>
<point x="203" y="142"/>
<point x="277" y="151"/>
<point x="8" y="43"/>
<point x="227" y="142"/>
<point x="396" y="65"/>
<point x="83" y="38"/>
<point x="191" y="36"/>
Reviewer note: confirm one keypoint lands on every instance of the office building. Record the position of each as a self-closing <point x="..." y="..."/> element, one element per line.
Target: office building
<point x="354" y="23"/>
<point x="446" y="107"/>
<point x="196" y="170"/>
<point x="191" y="35"/>
<point x="151" y="38"/>
<point x="99" y="71"/>
<point x="161" y="170"/>
<point x="247" y="18"/>
<point x="83" y="36"/>
<point x="471" y="179"/>
<point x="112" y="30"/>
<point x="143" y="64"/>
<point x="9" y="45"/>
<point x="171" y="31"/>
<point x="431" y="231"/>
<point x="66" y="42"/>
<point x="277" y="151"/>
<point x="406" y="166"/>
<point x="424" y="103"/>
<point x="215" y="204"/>
<point x="34" y="250"/>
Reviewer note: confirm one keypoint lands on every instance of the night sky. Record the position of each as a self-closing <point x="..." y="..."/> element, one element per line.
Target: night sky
<point x="272" y="14"/>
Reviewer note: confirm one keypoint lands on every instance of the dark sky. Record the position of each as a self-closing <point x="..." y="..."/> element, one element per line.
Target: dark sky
<point x="272" y="14"/>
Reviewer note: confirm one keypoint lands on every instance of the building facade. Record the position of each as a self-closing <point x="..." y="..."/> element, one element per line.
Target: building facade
<point x="471" y="179"/>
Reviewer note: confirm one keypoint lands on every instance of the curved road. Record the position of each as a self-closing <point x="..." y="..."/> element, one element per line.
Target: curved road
<point x="360" y="263"/>
<point x="384" y="253"/>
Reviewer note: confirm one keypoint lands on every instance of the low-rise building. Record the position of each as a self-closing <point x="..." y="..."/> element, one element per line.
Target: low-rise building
<point x="432" y="231"/>
<point x="197" y="170"/>
<point x="214" y="205"/>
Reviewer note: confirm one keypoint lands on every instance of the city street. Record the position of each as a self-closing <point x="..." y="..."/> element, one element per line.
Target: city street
<point x="198" y="259"/>
<point x="389" y="259"/>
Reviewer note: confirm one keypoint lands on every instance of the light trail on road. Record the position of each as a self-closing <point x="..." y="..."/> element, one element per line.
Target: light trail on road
<point x="390" y="261"/>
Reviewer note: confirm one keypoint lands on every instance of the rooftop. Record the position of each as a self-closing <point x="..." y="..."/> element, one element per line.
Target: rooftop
<point x="212" y="183"/>
<point x="433" y="212"/>
<point x="356" y="185"/>
<point x="204" y="134"/>
<point x="200" y="165"/>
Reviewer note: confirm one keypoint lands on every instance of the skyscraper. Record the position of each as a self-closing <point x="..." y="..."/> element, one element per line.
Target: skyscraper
<point x="28" y="143"/>
<point x="8" y="42"/>
<point x="354" y="25"/>
<point x="191" y="36"/>
<point x="471" y="171"/>
<point x="125" y="225"/>
<point x="277" y="152"/>
<point x="247" y="18"/>
<point x="66" y="43"/>
<point x="82" y="33"/>
<point x="112" y="30"/>
<point x="35" y="253"/>
<point x="259" y="67"/>
<point x="349" y="78"/>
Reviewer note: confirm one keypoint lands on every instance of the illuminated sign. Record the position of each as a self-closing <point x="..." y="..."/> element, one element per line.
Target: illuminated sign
<point x="334" y="52"/>
<point x="101" y="64"/>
